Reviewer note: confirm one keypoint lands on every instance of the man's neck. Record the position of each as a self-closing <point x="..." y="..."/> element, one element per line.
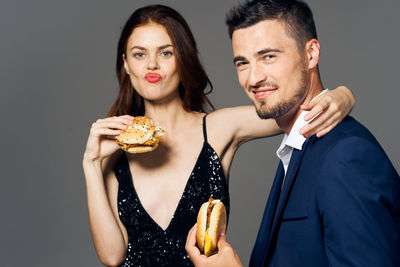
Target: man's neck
<point x="314" y="87"/>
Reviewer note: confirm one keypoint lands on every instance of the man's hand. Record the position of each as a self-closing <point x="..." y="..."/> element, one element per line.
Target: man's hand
<point x="226" y="255"/>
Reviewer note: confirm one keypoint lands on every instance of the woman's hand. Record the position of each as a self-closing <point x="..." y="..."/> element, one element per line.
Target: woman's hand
<point x="331" y="107"/>
<point x="101" y="142"/>
<point x="109" y="234"/>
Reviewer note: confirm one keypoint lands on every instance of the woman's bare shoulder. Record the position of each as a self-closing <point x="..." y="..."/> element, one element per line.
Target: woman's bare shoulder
<point x="243" y="123"/>
<point x="225" y="115"/>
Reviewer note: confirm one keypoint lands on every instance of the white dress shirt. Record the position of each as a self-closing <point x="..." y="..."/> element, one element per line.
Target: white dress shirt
<point x="294" y="139"/>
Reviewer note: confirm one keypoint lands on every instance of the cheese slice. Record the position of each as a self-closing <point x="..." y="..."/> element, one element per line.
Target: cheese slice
<point x="207" y="244"/>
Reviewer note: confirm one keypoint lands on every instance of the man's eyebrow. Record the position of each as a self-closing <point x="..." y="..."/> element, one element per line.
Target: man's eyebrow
<point x="267" y="50"/>
<point x="238" y="58"/>
<point x="258" y="53"/>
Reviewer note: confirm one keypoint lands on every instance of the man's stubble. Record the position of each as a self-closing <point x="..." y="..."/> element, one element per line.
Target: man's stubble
<point x="283" y="107"/>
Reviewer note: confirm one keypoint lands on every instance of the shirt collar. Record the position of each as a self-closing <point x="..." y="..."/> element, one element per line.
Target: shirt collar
<point x="295" y="139"/>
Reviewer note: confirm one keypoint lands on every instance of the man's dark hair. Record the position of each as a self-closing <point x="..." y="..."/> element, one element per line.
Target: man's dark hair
<point x="296" y="16"/>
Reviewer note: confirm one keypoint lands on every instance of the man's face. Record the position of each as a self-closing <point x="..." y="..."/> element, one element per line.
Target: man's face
<point x="270" y="68"/>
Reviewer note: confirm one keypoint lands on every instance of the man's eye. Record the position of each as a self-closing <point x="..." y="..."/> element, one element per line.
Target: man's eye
<point x="240" y="65"/>
<point x="268" y="57"/>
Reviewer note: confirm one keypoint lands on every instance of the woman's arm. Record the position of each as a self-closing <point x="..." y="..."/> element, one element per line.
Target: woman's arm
<point x="333" y="106"/>
<point x="109" y="237"/>
<point x="231" y="127"/>
<point x="242" y="124"/>
<point x="108" y="233"/>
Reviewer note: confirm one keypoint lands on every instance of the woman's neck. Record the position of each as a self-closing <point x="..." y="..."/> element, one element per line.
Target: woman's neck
<point x="170" y="116"/>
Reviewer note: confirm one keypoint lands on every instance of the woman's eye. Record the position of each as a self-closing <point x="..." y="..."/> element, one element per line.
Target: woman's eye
<point x="166" y="53"/>
<point x="138" y="55"/>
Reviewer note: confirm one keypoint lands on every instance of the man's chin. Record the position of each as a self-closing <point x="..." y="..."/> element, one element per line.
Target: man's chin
<point x="275" y="112"/>
<point x="265" y="110"/>
<point x="264" y="113"/>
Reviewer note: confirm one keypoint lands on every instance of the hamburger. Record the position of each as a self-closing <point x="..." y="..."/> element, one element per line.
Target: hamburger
<point x="142" y="136"/>
<point x="211" y="220"/>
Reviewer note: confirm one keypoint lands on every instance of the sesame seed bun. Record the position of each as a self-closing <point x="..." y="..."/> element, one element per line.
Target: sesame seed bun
<point x="142" y="136"/>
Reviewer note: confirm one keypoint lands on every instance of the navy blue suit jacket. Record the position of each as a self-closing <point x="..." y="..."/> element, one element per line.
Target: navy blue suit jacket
<point x="339" y="205"/>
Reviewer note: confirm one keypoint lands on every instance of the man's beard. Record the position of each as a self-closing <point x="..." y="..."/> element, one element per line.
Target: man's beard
<point x="283" y="107"/>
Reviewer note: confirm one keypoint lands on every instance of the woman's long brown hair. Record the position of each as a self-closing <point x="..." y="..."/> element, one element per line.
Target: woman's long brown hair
<point x="193" y="78"/>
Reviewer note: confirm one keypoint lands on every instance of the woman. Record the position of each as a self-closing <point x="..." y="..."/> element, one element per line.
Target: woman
<point x="141" y="206"/>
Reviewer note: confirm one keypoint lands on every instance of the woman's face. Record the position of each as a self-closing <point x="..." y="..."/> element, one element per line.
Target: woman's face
<point x="150" y="63"/>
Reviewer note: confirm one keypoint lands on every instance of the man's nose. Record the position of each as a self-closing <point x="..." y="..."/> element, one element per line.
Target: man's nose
<point x="257" y="75"/>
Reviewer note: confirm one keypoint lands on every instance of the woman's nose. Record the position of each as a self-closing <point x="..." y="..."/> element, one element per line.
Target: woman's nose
<point x="153" y="63"/>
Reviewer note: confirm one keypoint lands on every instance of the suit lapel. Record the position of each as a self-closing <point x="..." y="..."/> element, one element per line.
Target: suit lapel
<point x="260" y="248"/>
<point x="294" y="165"/>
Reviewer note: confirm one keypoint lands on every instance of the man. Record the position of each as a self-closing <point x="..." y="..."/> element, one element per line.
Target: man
<point x="335" y="200"/>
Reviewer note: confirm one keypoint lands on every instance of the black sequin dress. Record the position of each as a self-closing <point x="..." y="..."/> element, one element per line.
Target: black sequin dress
<point x="149" y="244"/>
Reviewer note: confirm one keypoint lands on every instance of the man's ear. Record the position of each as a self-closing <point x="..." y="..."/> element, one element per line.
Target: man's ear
<point x="125" y="64"/>
<point x="312" y="52"/>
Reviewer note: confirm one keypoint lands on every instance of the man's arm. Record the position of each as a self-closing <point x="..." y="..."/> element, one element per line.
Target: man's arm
<point x="358" y="199"/>
<point x="226" y="256"/>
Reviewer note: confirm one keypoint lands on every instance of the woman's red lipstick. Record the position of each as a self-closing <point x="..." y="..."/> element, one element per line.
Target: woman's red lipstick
<point x="152" y="77"/>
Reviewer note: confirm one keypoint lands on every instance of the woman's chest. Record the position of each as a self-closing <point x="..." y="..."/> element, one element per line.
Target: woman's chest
<point x="160" y="182"/>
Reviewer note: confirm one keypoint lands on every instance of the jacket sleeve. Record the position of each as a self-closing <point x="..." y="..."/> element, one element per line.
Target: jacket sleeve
<point x="359" y="200"/>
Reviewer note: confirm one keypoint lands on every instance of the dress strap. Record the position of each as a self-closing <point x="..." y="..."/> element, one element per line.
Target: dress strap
<point x="204" y="128"/>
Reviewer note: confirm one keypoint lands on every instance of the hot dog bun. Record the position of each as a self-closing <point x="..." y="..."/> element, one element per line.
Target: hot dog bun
<point x="208" y="230"/>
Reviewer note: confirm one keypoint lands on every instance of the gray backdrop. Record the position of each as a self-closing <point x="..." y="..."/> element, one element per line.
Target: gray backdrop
<point x="57" y="77"/>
